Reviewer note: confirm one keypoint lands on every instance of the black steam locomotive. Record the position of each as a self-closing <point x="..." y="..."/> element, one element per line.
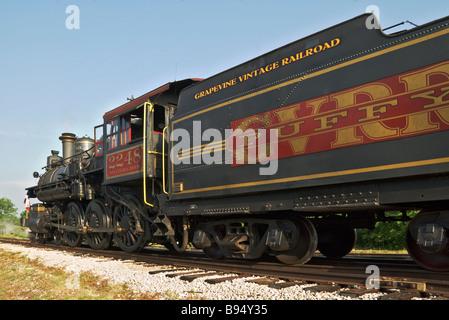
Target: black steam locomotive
<point x="284" y="154"/>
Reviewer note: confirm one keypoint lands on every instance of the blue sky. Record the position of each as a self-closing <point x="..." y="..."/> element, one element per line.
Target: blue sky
<point x="55" y="80"/>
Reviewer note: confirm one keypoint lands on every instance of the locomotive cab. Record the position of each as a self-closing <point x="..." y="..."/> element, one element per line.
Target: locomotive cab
<point x="131" y="136"/>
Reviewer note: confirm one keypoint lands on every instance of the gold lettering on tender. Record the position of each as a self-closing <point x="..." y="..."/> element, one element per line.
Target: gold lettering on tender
<point x="374" y="111"/>
<point x="270" y="67"/>
<point x="299" y="145"/>
<point x="443" y="112"/>
<point x="335" y="42"/>
<point x="421" y="79"/>
<point x="316" y="104"/>
<point x="431" y="95"/>
<point x="328" y="121"/>
<point x="378" y="130"/>
<point x="309" y="52"/>
<point x="375" y="91"/>
<point x="289" y="130"/>
<point x="318" y="49"/>
<point x="346" y="136"/>
<point x="421" y="122"/>
<point x="287" y="114"/>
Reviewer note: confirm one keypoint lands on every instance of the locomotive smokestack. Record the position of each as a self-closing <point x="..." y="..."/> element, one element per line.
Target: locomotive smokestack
<point x="68" y="146"/>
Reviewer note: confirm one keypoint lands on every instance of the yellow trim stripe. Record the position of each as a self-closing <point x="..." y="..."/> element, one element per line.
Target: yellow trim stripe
<point x="327" y="174"/>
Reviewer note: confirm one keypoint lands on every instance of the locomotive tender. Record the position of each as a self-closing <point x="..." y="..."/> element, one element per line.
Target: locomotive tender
<point x="360" y="121"/>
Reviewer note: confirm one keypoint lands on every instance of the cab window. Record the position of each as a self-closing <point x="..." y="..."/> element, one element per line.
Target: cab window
<point x="98" y="140"/>
<point x="136" y="124"/>
<point x="112" y="133"/>
<point x="125" y="130"/>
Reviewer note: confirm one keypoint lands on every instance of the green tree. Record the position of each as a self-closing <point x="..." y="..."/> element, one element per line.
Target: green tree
<point x="384" y="236"/>
<point x="7" y="208"/>
<point x="388" y="235"/>
<point x="23" y="214"/>
<point x="8" y="212"/>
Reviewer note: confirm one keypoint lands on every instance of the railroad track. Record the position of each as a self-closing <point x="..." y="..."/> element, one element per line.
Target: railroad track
<point x="399" y="277"/>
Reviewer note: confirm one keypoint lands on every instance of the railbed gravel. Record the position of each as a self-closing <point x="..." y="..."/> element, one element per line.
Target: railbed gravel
<point x="137" y="277"/>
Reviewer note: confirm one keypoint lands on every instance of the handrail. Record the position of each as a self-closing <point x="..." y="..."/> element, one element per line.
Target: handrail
<point x="145" y="151"/>
<point x="163" y="160"/>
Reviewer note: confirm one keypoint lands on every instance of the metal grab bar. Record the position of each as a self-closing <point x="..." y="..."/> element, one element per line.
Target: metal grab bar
<point x="163" y="160"/>
<point x="145" y="151"/>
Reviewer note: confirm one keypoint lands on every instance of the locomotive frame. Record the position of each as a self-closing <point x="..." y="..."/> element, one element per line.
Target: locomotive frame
<point x="361" y="119"/>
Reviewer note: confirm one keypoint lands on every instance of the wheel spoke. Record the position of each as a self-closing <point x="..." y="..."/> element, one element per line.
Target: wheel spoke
<point x="97" y="217"/>
<point x="128" y="239"/>
<point x="73" y="218"/>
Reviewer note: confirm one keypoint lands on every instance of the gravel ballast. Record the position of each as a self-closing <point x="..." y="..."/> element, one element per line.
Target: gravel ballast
<point x="139" y="278"/>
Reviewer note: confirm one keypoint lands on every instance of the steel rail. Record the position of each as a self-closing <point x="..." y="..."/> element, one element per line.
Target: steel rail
<point x="350" y="271"/>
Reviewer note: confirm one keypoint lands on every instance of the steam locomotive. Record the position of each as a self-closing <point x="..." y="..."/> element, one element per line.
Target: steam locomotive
<point x="284" y="154"/>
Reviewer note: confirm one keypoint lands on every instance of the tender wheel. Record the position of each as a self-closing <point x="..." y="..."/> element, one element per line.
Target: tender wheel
<point x="130" y="236"/>
<point x="98" y="217"/>
<point x="436" y="259"/>
<point x="73" y="217"/>
<point x="335" y="238"/>
<point x="304" y="244"/>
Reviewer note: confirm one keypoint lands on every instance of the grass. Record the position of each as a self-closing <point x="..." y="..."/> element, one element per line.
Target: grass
<point x="24" y="279"/>
<point x="379" y="251"/>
